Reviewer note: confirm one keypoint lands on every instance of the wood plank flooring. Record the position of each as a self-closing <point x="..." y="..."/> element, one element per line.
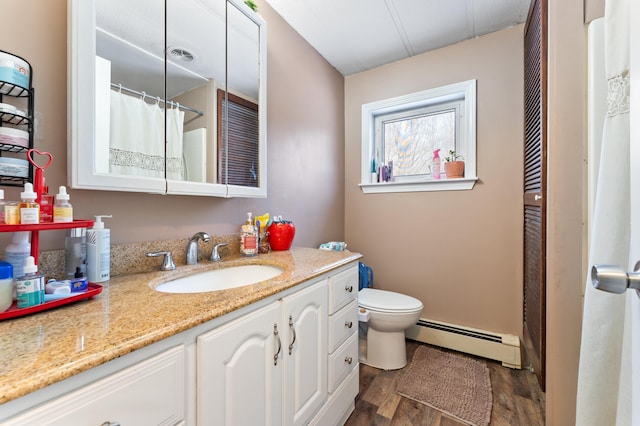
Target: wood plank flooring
<point x="517" y="398"/>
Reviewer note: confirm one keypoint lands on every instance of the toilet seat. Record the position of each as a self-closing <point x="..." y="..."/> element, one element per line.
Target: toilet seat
<point x="387" y="301"/>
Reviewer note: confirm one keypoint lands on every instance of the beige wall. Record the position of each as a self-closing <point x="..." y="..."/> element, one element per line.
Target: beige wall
<point x="459" y="252"/>
<point x="305" y="140"/>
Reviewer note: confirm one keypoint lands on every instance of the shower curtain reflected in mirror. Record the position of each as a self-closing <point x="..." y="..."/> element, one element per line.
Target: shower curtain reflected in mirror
<point x="137" y="134"/>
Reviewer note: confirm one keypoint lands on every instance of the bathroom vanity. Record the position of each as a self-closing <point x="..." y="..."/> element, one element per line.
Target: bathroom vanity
<point x="283" y="351"/>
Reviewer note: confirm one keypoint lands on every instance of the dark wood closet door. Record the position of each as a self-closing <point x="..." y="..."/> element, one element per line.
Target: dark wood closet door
<point x="535" y="177"/>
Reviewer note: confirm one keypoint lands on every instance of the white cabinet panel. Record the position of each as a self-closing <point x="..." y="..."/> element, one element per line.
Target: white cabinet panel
<point x="342" y="361"/>
<point x="148" y="393"/>
<point x="305" y="361"/>
<point x="343" y="288"/>
<point x="239" y="382"/>
<point x="342" y="324"/>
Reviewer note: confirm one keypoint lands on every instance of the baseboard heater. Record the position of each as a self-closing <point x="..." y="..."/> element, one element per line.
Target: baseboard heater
<point x="500" y="347"/>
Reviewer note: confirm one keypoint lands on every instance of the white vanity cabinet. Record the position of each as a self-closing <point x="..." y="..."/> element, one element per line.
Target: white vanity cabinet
<point x="290" y="359"/>
<point x="267" y="367"/>
<point x="151" y="392"/>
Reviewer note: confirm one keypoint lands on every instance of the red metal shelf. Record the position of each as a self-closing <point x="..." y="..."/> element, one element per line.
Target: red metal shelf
<point x="14" y="311"/>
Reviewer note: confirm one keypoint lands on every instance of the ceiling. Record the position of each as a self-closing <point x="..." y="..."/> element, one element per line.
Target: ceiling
<point x="358" y="35"/>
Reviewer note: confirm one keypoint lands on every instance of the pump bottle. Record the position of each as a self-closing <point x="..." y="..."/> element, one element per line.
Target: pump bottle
<point x="98" y="252"/>
<point x="435" y="165"/>
<point x="248" y="238"/>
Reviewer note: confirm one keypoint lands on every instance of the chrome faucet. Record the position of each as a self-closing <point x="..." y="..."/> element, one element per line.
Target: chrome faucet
<point x="192" y="248"/>
<point x="215" y="256"/>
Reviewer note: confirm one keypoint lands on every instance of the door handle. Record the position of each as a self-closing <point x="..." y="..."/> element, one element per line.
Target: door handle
<point x="614" y="279"/>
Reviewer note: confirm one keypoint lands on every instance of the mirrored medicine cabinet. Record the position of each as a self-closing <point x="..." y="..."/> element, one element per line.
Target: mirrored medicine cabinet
<point x="167" y="97"/>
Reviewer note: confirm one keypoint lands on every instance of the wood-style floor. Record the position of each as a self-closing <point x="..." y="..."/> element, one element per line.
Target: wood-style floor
<point x="517" y="398"/>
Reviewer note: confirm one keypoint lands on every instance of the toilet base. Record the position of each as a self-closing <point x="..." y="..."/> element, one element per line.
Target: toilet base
<point x="385" y="350"/>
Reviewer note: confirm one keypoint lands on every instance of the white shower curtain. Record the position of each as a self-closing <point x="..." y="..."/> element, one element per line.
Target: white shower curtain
<point x="604" y="386"/>
<point x="137" y="138"/>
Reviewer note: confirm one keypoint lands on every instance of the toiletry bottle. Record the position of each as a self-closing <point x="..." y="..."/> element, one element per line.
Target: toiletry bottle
<point x="17" y="252"/>
<point x="2" y="204"/>
<point x="435" y="165"/>
<point x="46" y="204"/>
<point x="29" y="209"/>
<point x="6" y="285"/>
<point x="62" y="209"/>
<point x="248" y="238"/>
<point x="79" y="283"/>
<point x="30" y="286"/>
<point x="98" y="251"/>
<point x="11" y="213"/>
<point x="75" y="253"/>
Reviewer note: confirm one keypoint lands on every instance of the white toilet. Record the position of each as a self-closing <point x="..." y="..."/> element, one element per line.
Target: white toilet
<point x="387" y="315"/>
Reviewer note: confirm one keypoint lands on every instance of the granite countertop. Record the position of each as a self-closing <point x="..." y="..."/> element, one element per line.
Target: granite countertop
<point x="46" y="347"/>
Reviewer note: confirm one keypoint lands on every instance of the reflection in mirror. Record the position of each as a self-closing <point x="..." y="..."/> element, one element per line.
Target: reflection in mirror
<point x="243" y="116"/>
<point x="143" y="95"/>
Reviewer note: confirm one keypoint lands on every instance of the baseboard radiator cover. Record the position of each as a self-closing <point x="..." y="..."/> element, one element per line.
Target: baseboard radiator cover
<point x="500" y="347"/>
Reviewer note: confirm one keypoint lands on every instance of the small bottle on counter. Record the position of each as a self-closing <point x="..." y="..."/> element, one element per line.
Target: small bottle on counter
<point x="30" y="286"/>
<point x="46" y="204"/>
<point x="62" y="209"/>
<point x="248" y="238"/>
<point x="29" y="208"/>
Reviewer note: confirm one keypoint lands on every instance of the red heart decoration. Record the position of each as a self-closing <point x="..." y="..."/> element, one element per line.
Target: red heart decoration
<point x="44" y="154"/>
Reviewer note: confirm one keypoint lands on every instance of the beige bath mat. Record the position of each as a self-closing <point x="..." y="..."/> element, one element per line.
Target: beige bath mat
<point x="457" y="386"/>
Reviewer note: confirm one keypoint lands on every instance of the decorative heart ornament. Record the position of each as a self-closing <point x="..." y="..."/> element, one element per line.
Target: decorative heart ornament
<point x="44" y="154"/>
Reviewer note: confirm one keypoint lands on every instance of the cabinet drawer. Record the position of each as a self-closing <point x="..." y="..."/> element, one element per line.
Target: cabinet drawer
<point x="343" y="288"/>
<point x="342" y="324"/>
<point x="342" y="361"/>
<point x="151" y="392"/>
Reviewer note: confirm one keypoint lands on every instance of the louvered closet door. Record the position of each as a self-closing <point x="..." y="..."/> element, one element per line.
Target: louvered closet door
<point x="535" y="167"/>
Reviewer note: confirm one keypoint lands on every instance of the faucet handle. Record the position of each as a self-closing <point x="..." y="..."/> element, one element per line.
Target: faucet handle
<point x="167" y="263"/>
<point x="215" y="256"/>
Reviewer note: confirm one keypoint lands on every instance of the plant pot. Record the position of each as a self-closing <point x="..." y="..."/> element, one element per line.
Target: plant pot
<point x="454" y="169"/>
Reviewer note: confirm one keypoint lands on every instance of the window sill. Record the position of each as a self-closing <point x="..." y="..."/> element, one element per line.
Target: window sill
<point x="425" y="186"/>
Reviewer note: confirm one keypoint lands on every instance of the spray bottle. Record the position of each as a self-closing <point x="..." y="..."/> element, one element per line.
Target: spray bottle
<point x="435" y="166"/>
<point x="98" y="251"/>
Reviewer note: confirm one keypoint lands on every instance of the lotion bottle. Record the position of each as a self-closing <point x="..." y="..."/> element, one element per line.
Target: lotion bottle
<point x="435" y="165"/>
<point x="98" y="252"/>
<point x="16" y="254"/>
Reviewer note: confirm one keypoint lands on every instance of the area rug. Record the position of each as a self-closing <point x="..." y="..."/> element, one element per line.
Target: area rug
<point x="457" y="386"/>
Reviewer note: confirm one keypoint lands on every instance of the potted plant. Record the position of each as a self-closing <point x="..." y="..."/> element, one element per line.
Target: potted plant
<point x="453" y="167"/>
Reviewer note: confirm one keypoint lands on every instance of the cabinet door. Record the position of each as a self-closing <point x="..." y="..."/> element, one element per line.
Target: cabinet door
<point x="238" y="381"/>
<point x="304" y="314"/>
<point x="148" y="393"/>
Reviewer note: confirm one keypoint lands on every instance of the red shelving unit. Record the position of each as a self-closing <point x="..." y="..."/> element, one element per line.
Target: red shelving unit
<point x="44" y="226"/>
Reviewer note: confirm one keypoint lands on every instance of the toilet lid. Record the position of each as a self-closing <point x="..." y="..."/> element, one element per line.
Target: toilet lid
<point x="387" y="301"/>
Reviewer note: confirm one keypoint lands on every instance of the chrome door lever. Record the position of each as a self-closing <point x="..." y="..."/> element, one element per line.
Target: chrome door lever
<point x="614" y="279"/>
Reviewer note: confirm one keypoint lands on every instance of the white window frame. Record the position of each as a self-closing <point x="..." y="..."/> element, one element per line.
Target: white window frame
<point x="465" y="144"/>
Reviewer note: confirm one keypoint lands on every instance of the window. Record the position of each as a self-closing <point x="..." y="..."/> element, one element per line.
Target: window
<point x="405" y="131"/>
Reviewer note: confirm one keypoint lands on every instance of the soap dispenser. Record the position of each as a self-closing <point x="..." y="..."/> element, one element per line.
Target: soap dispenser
<point x="248" y="238"/>
<point x="98" y="252"/>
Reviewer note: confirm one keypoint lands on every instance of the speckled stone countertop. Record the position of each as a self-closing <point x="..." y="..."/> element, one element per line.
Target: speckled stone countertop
<point x="46" y="347"/>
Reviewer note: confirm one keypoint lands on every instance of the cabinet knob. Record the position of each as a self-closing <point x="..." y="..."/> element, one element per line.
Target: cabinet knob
<point x="349" y="288"/>
<point x="348" y="360"/>
<point x="348" y="324"/>
<point x="110" y="424"/>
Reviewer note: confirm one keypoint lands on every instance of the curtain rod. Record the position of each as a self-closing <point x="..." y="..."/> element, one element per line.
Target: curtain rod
<point x="120" y="87"/>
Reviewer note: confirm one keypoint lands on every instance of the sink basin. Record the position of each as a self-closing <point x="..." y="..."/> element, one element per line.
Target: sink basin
<point x="220" y="279"/>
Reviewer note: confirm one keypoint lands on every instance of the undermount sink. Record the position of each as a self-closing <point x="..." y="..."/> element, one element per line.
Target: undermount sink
<point x="220" y="279"/>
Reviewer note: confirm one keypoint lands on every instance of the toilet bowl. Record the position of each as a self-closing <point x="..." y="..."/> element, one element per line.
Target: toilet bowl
<point x="386" y="315"/>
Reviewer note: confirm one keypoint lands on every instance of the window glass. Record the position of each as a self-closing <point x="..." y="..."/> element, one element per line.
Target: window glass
<point x="409" y="142"/>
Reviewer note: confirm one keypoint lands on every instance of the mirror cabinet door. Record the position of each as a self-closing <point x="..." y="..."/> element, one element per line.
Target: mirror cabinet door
<point x="243" y="157"/>
<point x="196" y="68"/>
<point x="117" y="119"/>
<point x="146" y="116"/>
